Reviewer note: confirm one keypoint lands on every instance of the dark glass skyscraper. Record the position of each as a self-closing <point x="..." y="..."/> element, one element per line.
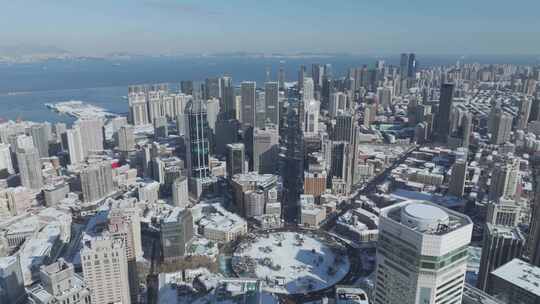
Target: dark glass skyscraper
<point x="197" y="143"/>
<point x="292" y="160"/>
<point x="411" y="66"/>
<point x="443" y="117"/>
<point x="228" y="108"/>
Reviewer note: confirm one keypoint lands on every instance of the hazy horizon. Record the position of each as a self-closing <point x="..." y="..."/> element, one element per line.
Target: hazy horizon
<point x="156" y="27"/>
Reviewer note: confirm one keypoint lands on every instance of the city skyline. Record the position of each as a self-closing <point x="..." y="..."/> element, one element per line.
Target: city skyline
<point x="153" y="27"/>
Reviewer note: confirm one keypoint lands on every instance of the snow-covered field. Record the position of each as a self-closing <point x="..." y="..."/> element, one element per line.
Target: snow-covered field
<point x="291" y="262"/>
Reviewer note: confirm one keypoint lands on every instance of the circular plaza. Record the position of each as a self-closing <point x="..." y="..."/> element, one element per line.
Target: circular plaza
<point x="292" y="262"/>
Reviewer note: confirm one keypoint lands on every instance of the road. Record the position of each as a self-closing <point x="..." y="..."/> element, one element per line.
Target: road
<point x="367" y="188"/>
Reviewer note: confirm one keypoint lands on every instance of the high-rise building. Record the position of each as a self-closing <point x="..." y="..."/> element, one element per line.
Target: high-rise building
<point x="524" y="113"/>
<point x="92" y="134"/>
<point x="292" y="161"/>
<point x="311" y="116"/>
<point x="271" y="100"/>
<point x="228" y="106"/>
<point x="60" y="284"/>
<point x="501" y="244"/>
<point x="411" y="66"/>
<point x="533" y="242"/>
<point x="212" y="112"/>
<point x="317" y="73"/>
<point x="180" y="194"/>
<point x="301" y="76"/>
<point x="126" y="139"/>
<point x="96" y="181"/>
<point x="105" y="270"/>
<point x="501" y="126"/>
<point x="40" y="136"/>
<point x="515" y="282"/>
<point x="504" y="179"/>
<point x="404" y="65"/>
<point x="260" y="110"/>
<point x="226" y="133"/>
<point x="161" y="127"/>
<point x="186" y="87"/>
<point x="75" y="145"/>
<point x="443" y="116"/>
<point x="344" y="127"/>
<point x="281" y="78"/>
<point x="421" y="254"/>
<point x="458" y="178"/>
<point x="265" y="150"/>
<point x="138" y="109"/>
<point x="248" y="97"/>
<point x="213" y="88"/>
<point x="129" y="215"/>
<point x="6" y="164"/>
<point x="338" y="103"/>
<point x="11" y="281"/>
<point x="503" y="212"/>
<point x="149" y="192"/>
<point x="30" y="168"/>
<point x="197" y="140"/>
<point x="235" y="159"/>
<point x="176" y="234"/>
<point x="308" y="89"/>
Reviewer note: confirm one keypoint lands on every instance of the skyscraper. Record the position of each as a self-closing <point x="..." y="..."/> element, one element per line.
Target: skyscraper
<point x="265" y="150"/>
<point x="281" y="77"/>
<point x="180" y="194"/>
<point x="235" y="159"/>
<point x="30" y="168"/>
<point x="247" y="90"/>
<point x="5" y="159"/>
<point x="40" y="136"/>
<point x="271" y="96"/>
<point x="60" y="284"/>
<point x="524" y="113"/>
<point x="411" y="66"/>
<point x="404" y="65"/>
<point x="226" y="133"/>
<point x="213" y="88"/>
<point x="75" y="145"/>
<point x="533" y="242"/>
<point x="301" y="76"/>
<point x="504" y="179"/>
<point x="501" y="126"/>
<point x="458" y="178"/>
<point x="292" y="160"/>
<point x="228" y="99"/>
<point x="176" y="234"/>
<point x="311" y="117"/>
<point x="126" y="139"/>
<point x="197" y="143"/>
<point x="96" y="181"/>
<point x="421" y="254"/>
<point x="92" y="134"/>
<point x="308" y="89"/>
<point x="138" y="109"/>
<point x="500" y="245"/>
<point x="105" y="270"/>
<point x="443" y="116"/>
<point x="11" y="281"/>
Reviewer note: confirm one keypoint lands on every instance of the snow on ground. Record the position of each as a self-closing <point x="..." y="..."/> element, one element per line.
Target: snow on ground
<point x="296" y="266"/>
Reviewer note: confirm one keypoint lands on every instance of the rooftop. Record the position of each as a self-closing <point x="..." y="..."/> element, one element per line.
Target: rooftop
<point x="520" y="274"/>
<point x="425" y="217"/>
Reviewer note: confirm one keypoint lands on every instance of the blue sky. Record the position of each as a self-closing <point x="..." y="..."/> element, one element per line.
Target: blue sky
<point x="356" y="26"/>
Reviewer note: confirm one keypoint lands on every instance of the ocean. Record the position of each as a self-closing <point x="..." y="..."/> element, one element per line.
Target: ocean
<point x="26" y="87"/>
